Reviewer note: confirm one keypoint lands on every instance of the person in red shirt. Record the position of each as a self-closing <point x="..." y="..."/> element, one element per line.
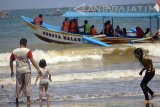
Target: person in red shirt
<point x="93" y="31"/>
<point x="38" y="20"/>
<point x="139" y="32"/>
<point x="65" y="25"/>
<point x="22" y="56"/>
<point x="72" y="27"/>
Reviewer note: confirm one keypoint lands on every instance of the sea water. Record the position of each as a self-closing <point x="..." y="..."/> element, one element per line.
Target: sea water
<point x="79" y="71"/>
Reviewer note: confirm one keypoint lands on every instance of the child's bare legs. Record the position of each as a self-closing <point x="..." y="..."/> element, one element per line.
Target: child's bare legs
<point x="40" y="92"/>
<point x="46" y="89"/>
<point x="40" y="103"/>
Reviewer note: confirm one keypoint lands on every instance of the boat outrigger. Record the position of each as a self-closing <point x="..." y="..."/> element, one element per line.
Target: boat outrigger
<point x="51" y="33"/>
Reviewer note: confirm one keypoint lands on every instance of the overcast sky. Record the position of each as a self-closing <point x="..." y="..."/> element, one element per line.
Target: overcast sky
<point x="29" y="4"/>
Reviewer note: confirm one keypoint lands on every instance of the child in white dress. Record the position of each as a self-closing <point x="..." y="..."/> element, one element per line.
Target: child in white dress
<point x="44" y="79"/>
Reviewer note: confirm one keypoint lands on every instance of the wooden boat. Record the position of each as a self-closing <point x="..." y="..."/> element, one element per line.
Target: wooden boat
<point x="51" y="33"/>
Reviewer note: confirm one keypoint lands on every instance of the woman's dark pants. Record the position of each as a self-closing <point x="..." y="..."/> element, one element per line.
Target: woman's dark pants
<point x="148" y="76"/>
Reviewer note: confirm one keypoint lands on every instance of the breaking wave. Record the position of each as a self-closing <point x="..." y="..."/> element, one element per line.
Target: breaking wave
<point x="90" y="53"/>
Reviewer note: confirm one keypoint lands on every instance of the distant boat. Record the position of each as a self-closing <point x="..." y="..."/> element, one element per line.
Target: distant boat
<point x="4" y="14"/>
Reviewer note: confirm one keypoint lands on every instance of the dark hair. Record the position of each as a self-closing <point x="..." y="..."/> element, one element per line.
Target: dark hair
<point x="42" y="63"/>
<point x="85" y="21"/>
<point x="66" y="19"/>
<point x="40" y="15"/>
<point x="23" y="41"/>
<point x="139" y="52"/>
<point x="92" y="26"/>
<point x="124" y="30"/>
<point x="108" y="22"/>
<point x="147" y="30"/>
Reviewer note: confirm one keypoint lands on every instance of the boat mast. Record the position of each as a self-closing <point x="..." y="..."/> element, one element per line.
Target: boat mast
<point x="67" y="24"/>
<point x="112" y="22"/>
<point x="150" y="23"/>
<point x="103" y="23"/>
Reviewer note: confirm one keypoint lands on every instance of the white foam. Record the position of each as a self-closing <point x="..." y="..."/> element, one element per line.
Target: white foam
<point x="71" y="55"/>
<point x="8" y="81"/>
<point x="153" y="48"/>
<point x="53" y="57"/>
<point x="116" y="74"/>
<point x="4" y="59"/>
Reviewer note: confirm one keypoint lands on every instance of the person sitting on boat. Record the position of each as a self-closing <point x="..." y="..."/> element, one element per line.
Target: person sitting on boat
<point x="157" y="35"/>
<point x="124" y="34"/>
<point x="86" y="27"/>
<point x="93" y="30"/>
<point x="65" y="26"/>
<point x="148" y="33"/>
<point x="117" y="31"/>
<point x="139" y="32"/>
<point x="38" y="20"/>
<point x="77" y="28"/>
<point x="73" y="26"/>
<point x="121" y="33"/>
<point x="108" y="29"/>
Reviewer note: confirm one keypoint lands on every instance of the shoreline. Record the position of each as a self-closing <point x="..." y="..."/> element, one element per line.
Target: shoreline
<point x="124" y="101"/>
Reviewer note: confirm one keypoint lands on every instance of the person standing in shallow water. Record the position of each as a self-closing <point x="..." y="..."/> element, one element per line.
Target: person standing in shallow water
<point x="44" y="79"/>
<point x="149" y="74"/>
<point x="22" y="55"/>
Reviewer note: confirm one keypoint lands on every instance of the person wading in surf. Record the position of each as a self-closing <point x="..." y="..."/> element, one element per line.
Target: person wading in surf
<point x="22" y="55"/>
<point x="149" y="74"/>
<point x="44" y="79"/>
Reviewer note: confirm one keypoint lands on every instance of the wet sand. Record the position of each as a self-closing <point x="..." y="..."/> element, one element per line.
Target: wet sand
<point x="125" y="101"/>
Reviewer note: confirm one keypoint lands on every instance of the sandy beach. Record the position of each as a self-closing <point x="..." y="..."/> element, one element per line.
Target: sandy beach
<point x="125" y="101"/>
